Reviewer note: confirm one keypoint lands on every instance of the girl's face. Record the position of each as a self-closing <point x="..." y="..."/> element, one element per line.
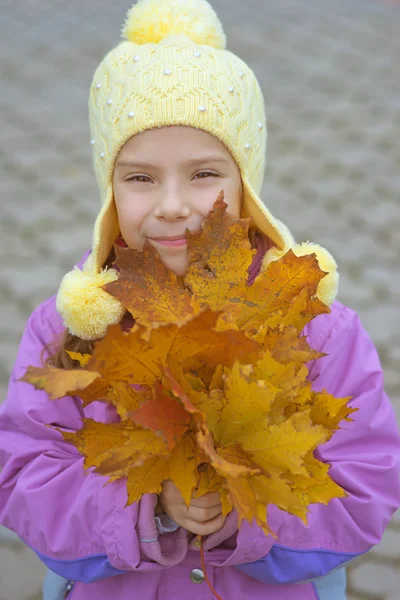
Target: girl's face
<point x="166" y="181"/>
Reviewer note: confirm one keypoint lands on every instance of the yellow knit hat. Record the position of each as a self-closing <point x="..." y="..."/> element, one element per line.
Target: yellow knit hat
<point x="172" y="69"/>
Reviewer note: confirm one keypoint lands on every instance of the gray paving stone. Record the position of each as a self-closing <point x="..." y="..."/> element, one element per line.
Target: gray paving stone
<point x="380" y="321"/>
<point x="23" y="582"/>
<point x="389" y="546"/>
<point x="396" y="518"/>
<point x="330" y="73"/>
<point x="6" y="535"/>
<point x="374" y="579"/>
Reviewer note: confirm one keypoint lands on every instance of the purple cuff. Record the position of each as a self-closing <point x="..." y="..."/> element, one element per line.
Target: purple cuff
<point x="130" y="535"/>
<point x="285" y="565"/>
<point x="167" y="550"/>
<point x="86" y="569"/>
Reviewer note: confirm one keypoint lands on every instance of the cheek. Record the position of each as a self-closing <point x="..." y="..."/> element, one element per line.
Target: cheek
<point x="235" y="200"/>
<point x="131" y="215"/>
<point x="233" y="197"/>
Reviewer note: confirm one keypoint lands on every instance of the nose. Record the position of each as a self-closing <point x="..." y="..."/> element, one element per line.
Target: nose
<point x="172" y="207"/>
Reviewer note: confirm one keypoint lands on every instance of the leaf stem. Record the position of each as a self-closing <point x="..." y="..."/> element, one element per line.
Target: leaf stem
<point x="203" y="566"/>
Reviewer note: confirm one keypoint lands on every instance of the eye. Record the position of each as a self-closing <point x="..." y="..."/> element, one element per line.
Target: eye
<point x="140" y="179"/>
<point x="205" y="174"/>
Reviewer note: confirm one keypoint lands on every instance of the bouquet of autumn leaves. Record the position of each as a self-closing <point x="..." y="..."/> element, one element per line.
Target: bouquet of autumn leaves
<point x="210" y="383"/>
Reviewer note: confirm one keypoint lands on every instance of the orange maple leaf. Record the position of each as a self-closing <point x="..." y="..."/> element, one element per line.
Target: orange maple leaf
<point x="164" y="415"/>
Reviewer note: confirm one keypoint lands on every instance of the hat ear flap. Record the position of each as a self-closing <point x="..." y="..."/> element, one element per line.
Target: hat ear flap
<point x="328" y="286"/>
<point x="85" y="308"/>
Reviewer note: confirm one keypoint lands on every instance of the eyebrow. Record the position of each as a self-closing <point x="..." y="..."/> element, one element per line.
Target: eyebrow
<point x="187" y="163"/>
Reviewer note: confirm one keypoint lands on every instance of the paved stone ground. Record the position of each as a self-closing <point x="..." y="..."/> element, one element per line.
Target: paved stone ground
<point x="331" y="75"/>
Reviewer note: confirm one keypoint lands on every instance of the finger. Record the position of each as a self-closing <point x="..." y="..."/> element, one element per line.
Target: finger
<point x="209" y="499"/>
<point x="172" y="492"/>
<point x="205" y="528"/>
<point x="202" y="515"/>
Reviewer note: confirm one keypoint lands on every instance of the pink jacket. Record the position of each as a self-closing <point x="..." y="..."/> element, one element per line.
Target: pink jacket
<point x="81" y="530"/>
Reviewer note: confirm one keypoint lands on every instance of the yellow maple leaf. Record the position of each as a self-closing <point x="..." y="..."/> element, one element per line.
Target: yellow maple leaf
<point x="125" y="397"/>
<point x="282" y="447"/>
<point x="317" y="486"/>
<point x="286" y="346"/>
<point x="301" y="310"/>
<point x="114" y="448"/>
<point x="219" y="258"/>
<point x="60" y="382"/>
<point x="147" y="478"/>
<point x="329" y="411"/>
<point x="246" y="407"/>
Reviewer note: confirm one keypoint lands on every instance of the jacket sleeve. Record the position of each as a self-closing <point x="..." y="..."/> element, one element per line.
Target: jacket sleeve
<point x="364" y="456"/>
<point x="77" y="525"/>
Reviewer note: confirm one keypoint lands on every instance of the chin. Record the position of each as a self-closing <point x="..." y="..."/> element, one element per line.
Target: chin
<point x="179" y="267"/>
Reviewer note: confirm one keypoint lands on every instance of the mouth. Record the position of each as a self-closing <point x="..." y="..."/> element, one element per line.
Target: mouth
<point x="173" y="241"/>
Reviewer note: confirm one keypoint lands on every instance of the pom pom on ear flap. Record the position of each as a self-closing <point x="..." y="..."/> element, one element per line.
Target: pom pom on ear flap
<point x="328" y="286"/>
<point x="86" y="309"/>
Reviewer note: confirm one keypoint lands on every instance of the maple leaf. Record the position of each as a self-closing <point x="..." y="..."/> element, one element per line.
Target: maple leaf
<point x="59" y="382"/>
<point x="130" y="357"/>
<point x="211" y="384"/>
<point x="282" y="447"/>
<point x="219" y="258"/>
<point x="164" y="415"/>
<point x="183" y="464"/>
<point x="147" y="478"/>
<point x="204" y="437"/>
<point x="317" y="486"/>
<point x="277" y="286"/>
<point x="126" y="398"/>
<point x="127" y="356"/>
<point x="329" y="411"/>
<point x="302" y="309"/>
<point x="286" y="346"/>
<point x="114" y="448"/>
<point x="82" y="359"/>
<point x="279" y="492"/>
<point x="247" y="406"/>
<point x="150" y="292"/>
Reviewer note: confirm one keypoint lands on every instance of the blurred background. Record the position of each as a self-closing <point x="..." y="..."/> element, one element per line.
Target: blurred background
<point x="330" y="72"/>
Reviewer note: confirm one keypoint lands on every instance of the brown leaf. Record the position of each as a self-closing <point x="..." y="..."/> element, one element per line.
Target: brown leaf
<point x="219" y="258"/>
<point x="150" y="291"/>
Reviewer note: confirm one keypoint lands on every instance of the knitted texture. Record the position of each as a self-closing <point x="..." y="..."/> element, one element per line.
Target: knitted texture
<point x="177" y="81"/>
<point x="171" y="69"/>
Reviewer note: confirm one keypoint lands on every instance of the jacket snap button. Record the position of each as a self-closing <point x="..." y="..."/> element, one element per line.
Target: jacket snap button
<point x="197" y="576"/>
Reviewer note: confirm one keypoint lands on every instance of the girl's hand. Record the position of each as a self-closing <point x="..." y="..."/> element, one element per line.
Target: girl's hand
<point x="204" y="515"/>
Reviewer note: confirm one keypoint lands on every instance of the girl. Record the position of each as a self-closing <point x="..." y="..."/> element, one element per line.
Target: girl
<point x="175" y="119"/>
